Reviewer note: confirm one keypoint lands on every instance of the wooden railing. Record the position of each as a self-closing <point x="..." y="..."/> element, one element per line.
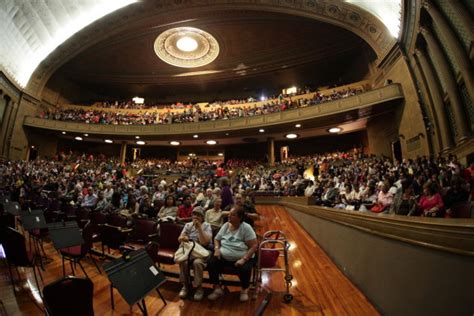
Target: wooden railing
<point x="357" y="102"/>
<point x="451" y="235"/>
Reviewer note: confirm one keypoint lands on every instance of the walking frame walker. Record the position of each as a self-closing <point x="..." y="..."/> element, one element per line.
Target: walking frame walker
<point x="274" y="244"/>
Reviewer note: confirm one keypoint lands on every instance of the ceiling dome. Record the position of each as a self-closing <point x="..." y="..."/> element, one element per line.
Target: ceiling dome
<point x="186" y="47"/>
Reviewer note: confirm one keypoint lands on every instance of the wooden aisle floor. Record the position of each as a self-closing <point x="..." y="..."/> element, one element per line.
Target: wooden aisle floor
<point x="319" y="288"/>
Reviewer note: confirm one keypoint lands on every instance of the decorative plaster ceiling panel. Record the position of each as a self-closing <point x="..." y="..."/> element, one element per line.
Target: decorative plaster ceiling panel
<point x="31" y="30"/>
<point x="388" y="11"/>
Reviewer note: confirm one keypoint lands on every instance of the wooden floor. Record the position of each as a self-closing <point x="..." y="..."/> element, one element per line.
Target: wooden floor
<point x="319" y="288"/>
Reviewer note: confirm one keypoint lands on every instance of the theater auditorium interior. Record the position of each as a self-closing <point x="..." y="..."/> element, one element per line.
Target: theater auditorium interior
<point x="248" y="157"/>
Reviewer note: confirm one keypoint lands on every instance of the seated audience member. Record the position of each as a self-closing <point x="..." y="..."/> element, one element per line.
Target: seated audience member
<point x="250" y="213"/>
<point x="185" y="210"/>
<point x="407" y="204"/>
<point x="90" y="198"/>
<point x="431" y="204"/>
<point x="384" y="199"/>
<point x="456" y="193"/>
<point x="169" y="210"/>
<point x="208" y="201"/>
<point x="215" y="216"/>
<point x="200" y="232"/>
<point x="103" y="203"/>
<point x="235" y="245"/>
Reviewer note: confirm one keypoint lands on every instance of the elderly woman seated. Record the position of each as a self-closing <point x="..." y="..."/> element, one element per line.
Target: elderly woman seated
<point x="235" y="245"/>
<point x="200" y="232"/>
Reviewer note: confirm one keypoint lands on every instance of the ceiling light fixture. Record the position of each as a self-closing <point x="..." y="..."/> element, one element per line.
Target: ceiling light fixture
<point x="291" y="136"/>
<point x="195" y="136"/>
<point x="78" y="138"/>
<point x="108" y="141"/>
<point x="211" y="142"/>
<point x="298" y="125"/>
<point x="334" y="130"/>
<point x="86" y="135"/>
<point x="261" y="130"/>
<point x="220" y="154"/>
<point x="174" y="143"/>
<point x="187" y="44"/>
<point x="137" y="137"/>
<point x="140" y="142"/>
<point x="64" y="133"/>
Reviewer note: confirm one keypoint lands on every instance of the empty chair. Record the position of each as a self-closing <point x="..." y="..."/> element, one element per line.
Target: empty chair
<point x="75" y="254"/>
<point x="69" y="296"/>
<point x="82" y="216"/>
<point x="144" y="230"/>
<point x="168" y="240"/>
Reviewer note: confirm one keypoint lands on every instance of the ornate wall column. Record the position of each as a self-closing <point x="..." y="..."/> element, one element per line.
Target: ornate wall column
<point x="4" y="125"/>
<point x="463" y="131"/>
<point x="437" y="99"/>
<point x="449" y="37"/>
<point x="464" y="17"/>
<point x="271" y="150"/>
<point x="123" y="152"/>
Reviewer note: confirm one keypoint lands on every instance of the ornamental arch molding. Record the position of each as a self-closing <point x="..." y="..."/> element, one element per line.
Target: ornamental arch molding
<point x="338" y="13"/>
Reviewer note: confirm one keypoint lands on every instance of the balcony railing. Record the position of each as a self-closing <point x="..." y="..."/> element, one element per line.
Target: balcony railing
<point x="357" y="102"/>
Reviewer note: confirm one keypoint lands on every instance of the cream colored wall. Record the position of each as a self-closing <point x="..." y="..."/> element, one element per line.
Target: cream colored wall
<point x="410" y="123"/>
<point x="19" y="141"/>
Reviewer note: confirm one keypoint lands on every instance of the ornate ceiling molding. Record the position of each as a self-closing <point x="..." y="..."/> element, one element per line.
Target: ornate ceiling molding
<point x="338" y="13"/>
<point x="167" y="47"/>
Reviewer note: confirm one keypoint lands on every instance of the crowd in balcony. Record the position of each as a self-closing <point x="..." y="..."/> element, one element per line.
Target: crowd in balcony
<point x="351" y="181"/>
<point x="191" y="113"/>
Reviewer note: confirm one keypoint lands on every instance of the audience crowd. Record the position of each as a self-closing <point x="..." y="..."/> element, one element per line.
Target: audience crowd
<point x="217" y="199"/>
<point x="423" y="186"/>
<point x="190" y="113"/>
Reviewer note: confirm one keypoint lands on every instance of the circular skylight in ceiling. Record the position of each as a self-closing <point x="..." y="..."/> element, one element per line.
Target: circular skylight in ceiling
<point x="186" y="47"/>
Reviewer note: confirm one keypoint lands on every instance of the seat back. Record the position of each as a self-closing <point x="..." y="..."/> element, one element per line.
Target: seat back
<point x="142" y="230"/>
<point x="152" y="249"/>
<point x="69" y="296"/>
<point x="462" y="210"/>
<point x="87" y="234"/>
<point x="15" y="247"/>
<point x="169" y="233"/>
<point x="117" y="220"/>
<point x="112" y="236"/>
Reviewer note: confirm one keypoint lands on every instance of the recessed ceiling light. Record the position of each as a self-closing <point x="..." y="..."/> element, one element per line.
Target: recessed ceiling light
<point x="32" y="146"/>
<point x="108" y="141"/>
<point x="220" y="154"/>
<point x="174" y="143"/>
<point x="227" y="134"/>
<point x="78" y="138"/>
<point x="137" y="137"/>
<point x="187" y="44"/>
<point x="334" y="130"/>
<point x="192" y="155"/>
<point x="140" y="142"/>
<point x="298" y="125"/>
<point x="195" y="136"/>
<point x="291" y="136"/>
<point x="211" y="142"/>
<point x="64" y="133"/>
<point x="86" y="135"/>
<point x="261" y="130"/>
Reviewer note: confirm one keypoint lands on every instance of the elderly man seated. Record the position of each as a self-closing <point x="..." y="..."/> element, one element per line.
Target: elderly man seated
<point x="200" y="232"/>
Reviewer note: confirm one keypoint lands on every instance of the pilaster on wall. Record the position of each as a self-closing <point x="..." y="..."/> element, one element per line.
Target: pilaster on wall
<point x="12" y="95"/>
<point x="408" y="125"/>
<point x="18" y="145"/>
